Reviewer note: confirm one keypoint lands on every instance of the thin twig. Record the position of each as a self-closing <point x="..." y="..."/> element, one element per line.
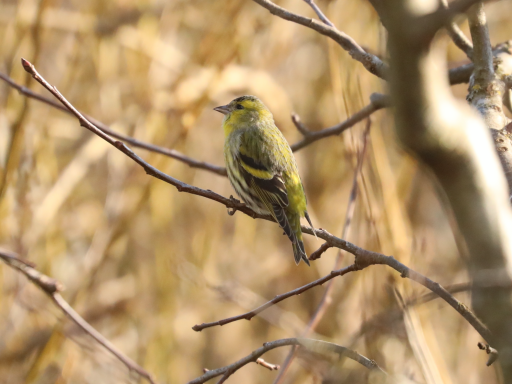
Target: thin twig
<point x="300" y="125"/>
<point x="263" y="363"/>
<point x="460" y="40"/>
<point x="52" y="288"/>
<point x="319" y="13"/>
<point x="460" y="75"/>
<point x="377" y="101"/>
<point x="127" y="139"/>
<point x="365" y="258"/>
<point x="483" y="55"/>
<point x="457" y="36"/>
<point x="426" y="26"/>
<point x="317" y="346"/>
<point x="319" y="252"/>
<point x="249" y="315"/>
<point x="391" y="316"/>
<point x="371" y="62"/>
<point x="463" y="73"/>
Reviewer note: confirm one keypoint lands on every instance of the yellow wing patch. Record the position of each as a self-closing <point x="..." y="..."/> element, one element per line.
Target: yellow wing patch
<point x="259" y="173"/>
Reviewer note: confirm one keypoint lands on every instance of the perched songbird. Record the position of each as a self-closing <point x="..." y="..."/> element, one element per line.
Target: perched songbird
<point x="262" y="169"/>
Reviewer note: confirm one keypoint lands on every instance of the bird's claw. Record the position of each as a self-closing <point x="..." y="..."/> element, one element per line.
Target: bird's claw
<point x="234" y="201"/>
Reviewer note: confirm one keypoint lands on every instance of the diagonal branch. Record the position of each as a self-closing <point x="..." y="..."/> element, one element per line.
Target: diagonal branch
<point x="423" y="28"/>
<point x="127" y="139"/>
<point x="249" y="315"/>
<point x="457" y="36"/>
<point x="319" y="13"/>
<point x="317" y="346"/>
<point x="371" y="62"/>
<point x="363" y="259"/>
<point x="482" y="44"/>
<point x="377" y="101"/>
<point x="52" y="288"/>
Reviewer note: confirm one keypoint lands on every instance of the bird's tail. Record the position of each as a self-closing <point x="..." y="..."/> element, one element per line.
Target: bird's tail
<point x="290" y="223"/>
<point x="299" y="252"/>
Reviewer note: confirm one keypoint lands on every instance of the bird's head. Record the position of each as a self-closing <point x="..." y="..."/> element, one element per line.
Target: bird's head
<point x="244" y="110"/>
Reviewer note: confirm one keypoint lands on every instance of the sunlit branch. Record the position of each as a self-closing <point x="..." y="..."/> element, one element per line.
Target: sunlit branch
<point x="52" y="287"/>
<point x="130" y="140"/>
<point x="458" y="37"/>
<point x="377" y="101"/>
<point x="317" y="346"/>
<point x="319" y="13"/>
<point x="363" y="259"/>
<point x="371" y="62"/>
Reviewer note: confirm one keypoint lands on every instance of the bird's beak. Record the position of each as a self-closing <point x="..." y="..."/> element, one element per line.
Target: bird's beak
<point x="224" y="109"/>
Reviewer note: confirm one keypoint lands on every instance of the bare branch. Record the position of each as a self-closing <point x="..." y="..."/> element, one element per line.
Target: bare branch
<point x="127" y="139"/>
<point x="263" y="363"/>
<point x="458" y="37"/>
<point x="300" y="125"/>
<point x="249" y="315"/>
<point x="317" y="346"/>
<point x="377" y="101"/>
<point x="424" y="28"/>
<point x="319" y="13"/>
<point x="460" y="40"/>
<point x="461" y="74"/>
<point x="52" y="288"/>
<point x="483" y="55"/>
<point x="364" y="259"/>
<point x="319" y="252"/>
<point x="371" y="62"/>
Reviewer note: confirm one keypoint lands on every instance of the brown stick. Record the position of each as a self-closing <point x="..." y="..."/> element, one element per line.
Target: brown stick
<point x="136" y="143"/>
<point x="377" y="101"/>
<point x="310" y="344"/>
<point x="52" y="288"/>
<point x="364" y="259"/>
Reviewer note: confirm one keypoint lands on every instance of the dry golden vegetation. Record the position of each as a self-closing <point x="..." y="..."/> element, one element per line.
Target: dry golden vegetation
<point x="143" y="263"/>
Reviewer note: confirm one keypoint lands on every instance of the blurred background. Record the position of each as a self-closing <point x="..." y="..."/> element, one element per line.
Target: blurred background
<point x="143" y="263"/>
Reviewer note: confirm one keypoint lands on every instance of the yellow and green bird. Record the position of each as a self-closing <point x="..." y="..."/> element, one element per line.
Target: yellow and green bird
<point x="262" y="169"/>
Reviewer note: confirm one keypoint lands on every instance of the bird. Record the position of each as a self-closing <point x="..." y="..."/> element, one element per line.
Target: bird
<point x="262" y="169"/>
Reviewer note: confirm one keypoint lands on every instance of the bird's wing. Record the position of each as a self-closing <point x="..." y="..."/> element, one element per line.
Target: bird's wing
<point x="266" y="182"/>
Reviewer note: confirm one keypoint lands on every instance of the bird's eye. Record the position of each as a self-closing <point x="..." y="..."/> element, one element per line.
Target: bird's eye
<point x="239" y="106"/>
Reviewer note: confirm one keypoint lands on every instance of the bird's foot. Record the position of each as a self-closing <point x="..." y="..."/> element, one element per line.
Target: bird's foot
<point x="234" y="201"/>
